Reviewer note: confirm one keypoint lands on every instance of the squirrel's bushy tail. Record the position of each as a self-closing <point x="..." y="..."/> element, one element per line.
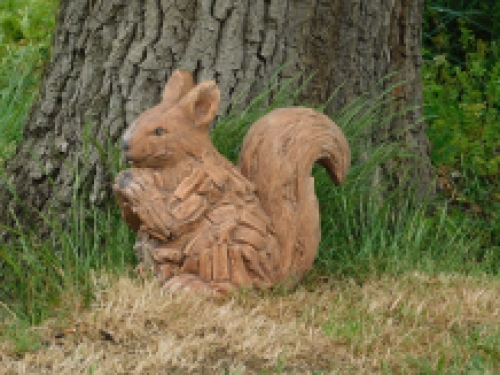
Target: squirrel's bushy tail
<point x="277" y="155"/>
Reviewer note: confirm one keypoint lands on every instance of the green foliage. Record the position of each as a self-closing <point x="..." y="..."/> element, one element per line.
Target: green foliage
<point x="445" y="20"/>
<point x="461" y="88"/>
<point x="27" y="21"/>
<point x="463" y="108"/>
<point x="25" y="33"/>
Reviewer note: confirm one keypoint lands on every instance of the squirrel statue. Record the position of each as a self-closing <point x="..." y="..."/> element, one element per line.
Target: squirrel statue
<point x="207" y="225"/>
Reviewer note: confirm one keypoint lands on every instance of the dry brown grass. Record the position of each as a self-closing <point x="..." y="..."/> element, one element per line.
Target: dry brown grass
<point x="340" y="327"/>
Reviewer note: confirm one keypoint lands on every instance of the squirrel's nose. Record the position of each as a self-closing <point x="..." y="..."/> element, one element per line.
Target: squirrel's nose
<point x="125" y="146"/>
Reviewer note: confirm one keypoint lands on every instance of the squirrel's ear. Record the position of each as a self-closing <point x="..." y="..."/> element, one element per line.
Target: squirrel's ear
<point x="179" y="84"/>
<point x="202" y="103"/>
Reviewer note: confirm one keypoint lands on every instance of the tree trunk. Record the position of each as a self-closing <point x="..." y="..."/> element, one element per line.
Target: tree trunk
<point x="110" y="60"/>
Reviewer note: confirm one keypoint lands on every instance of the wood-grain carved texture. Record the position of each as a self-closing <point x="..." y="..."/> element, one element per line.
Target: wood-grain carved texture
<point x="204" y="223"/>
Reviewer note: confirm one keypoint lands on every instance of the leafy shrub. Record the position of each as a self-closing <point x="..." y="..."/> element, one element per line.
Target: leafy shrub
<point x="463" y="107"/>
<point x="461" y="88"/>
<point x="443" y="22"/>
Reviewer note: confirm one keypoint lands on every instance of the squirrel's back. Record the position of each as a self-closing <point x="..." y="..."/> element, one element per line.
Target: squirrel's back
<point x="277" y="155"/>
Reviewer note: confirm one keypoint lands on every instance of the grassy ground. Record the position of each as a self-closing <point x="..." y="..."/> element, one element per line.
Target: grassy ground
<point x="399" y="286"/>
<point x="386" y="325"/>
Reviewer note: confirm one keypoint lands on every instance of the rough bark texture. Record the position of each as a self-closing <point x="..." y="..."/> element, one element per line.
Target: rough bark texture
<point x="205" y="224"/>
<point x="111" y="59"/>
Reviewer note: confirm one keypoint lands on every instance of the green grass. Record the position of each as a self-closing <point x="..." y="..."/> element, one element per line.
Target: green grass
<point x="476" y="353"/>
<point x="363" y="237"/>
<point x="25" y="33"/>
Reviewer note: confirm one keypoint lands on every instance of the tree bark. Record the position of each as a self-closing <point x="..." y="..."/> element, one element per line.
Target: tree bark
<point x="110" y="60"/>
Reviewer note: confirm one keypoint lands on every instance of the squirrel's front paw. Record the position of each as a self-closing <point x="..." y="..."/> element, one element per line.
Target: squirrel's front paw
<point x="136" y="185"/>
<point x="124" y="179"/>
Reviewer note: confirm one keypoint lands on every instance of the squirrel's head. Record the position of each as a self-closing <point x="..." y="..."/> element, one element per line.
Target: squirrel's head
<point x="175" y="128"/>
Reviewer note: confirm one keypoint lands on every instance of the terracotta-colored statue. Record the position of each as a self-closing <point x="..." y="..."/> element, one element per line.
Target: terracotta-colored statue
<point x="205" y="224"/>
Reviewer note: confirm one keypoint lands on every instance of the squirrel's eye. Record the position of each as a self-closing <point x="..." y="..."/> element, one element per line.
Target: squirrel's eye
<point x="159" y="131"/>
